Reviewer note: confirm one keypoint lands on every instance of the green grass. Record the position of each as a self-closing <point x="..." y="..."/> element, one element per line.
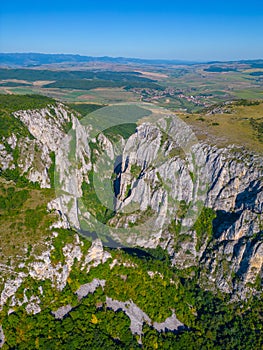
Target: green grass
<point x="124" y="130"/>
<point x="248" y="94"/>
<point x="257" y="125"/>
<point x="238" y="125"/>
<point x="24" y="219"/>
<point x="83" y="84"/>
<point x="13" y="84"/>
<point x="107" y="96"/>
<point x="85" y="108"/>
<point x="115" y="116"/>
<point x="94" y="96"/>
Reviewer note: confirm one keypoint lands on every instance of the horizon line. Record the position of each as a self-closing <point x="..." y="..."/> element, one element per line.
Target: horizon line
<point x="132" y="58"/>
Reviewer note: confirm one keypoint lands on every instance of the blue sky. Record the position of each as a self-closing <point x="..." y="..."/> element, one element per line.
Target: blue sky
<point x="189" y="30"/>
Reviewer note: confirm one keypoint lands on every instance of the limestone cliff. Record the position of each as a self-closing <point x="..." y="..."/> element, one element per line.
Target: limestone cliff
<point x="221" y="186"/>
<point x="200" y="203"/>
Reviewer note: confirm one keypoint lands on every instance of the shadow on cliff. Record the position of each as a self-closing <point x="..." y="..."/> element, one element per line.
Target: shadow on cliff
<point x="244" y="200"/>
<point x="247" y="198"/>
<point x="223" y="221"/>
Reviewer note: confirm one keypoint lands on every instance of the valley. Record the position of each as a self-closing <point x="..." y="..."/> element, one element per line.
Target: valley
<point x="131" y="200"/>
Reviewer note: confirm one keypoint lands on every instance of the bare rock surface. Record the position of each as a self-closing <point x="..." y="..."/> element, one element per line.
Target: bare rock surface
<point x="2" y="337"/>
<point x="96" y="255"/>
<point x="62" y="311"/>
<point x="135" y="314"/>
<point x="170" y="324"/>
<point x="87" y="288"/>
<point x="138" y="317"/>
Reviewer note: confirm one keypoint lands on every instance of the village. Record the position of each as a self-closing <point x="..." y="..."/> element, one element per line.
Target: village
<point x="154" y="95"/>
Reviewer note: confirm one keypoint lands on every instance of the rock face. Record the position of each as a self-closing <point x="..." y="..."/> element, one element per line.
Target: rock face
<point x="96" y="255"/>
<point x="46" y="124"/>
<point x="31" y="152"/>
<point x="228" y="181"/>
<point x="54" y="137"/>
<point x="200" y="203"/>
<point x="44" y="269"/>
<point x="165" y="182"/>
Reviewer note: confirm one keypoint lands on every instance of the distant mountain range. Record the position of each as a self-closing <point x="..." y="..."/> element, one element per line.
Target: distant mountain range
<point x="37" y="59"/>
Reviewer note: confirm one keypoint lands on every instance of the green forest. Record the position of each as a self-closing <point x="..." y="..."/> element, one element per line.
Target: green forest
<point x="213" y="322"/>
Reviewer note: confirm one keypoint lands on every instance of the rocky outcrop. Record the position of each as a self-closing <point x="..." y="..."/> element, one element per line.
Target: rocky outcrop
<point x="87" y="288"/>
<point x="56" y="138"/>
<point x="33" y="306"/>
<point x="2" y="337"/>
<point x="176" y="187"/>
<point x="81" y="292"/>
<point x="163" y="178"/>
<point x="62" y="311"/>
<point x="47" y="124"/>
<point x="170" y="324"/>
<point x="30" y="151"/>
<point x="138" y="317"/>
<point x="6" y="159"/>
<point x="10" y="288"/>
<point x="135" y="314"/>
<point x="43" y="268"/>
<point x="96" y="255"/>
<point x="34" y="161"/>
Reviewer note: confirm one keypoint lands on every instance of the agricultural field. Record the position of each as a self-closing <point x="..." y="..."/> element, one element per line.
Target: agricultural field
<point x="188" y="88"/>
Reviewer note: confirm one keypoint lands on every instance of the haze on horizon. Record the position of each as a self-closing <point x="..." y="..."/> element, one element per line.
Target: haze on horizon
<point x="193" y="31"/>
